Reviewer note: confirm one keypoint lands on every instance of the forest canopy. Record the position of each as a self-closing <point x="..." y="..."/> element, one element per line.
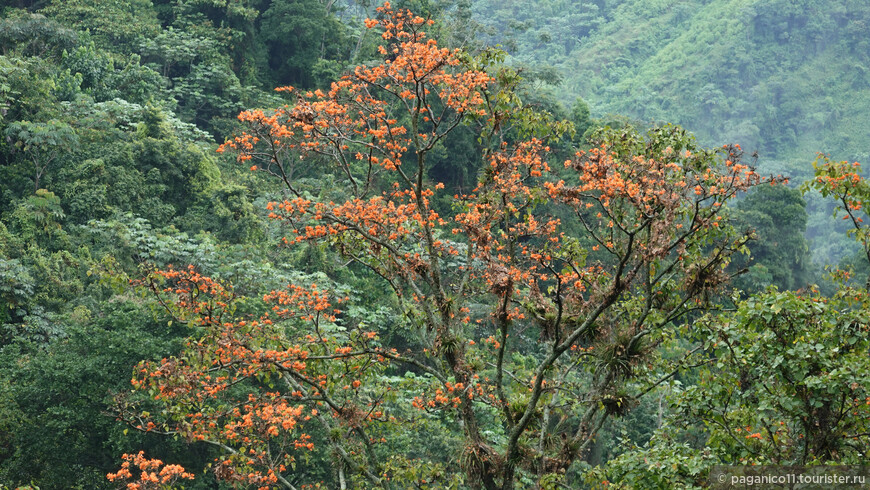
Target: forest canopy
<point x="456" y="247"/>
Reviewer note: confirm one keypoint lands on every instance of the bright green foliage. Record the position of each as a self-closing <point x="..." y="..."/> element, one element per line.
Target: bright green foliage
<point x="664" y="465"/>
<point x="102" y="77"/>
<point x="788" y="383"/>
<point x="784" y="382"/>
<point x="23" y="93"/>
<point x="39" y="214"/>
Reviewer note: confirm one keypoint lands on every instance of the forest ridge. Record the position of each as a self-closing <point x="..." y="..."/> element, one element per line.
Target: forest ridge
<point x="785" y="78"/>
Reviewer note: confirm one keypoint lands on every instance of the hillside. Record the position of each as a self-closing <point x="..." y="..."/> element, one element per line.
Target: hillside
<point x="785" y="77"/>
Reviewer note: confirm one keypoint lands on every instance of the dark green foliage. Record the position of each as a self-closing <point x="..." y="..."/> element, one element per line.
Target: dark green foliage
<point x="780" y="254"/>
<point x="41" y="144"/>
<point x="580" y="116"/>
<point x="455" y="162"/>
<point x="303" y="40"/>
<point x="35" y="35"/>
<point x="59" y="394"/>
<point x="114" y="23"/>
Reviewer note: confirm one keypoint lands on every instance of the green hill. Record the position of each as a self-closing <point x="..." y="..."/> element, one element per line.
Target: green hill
<point x="788" y="78"/>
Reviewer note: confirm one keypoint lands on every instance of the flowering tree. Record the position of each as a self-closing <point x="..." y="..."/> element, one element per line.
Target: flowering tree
<point x="538" y="303"/>
<point x="783" y="378"/>
<point x="842" y="181"/>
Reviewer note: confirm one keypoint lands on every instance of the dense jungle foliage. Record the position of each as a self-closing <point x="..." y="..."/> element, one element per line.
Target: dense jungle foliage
<point x="461" y="248"/>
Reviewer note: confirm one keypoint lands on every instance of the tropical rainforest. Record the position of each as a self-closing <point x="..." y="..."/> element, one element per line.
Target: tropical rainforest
<point x="431" y="243"/>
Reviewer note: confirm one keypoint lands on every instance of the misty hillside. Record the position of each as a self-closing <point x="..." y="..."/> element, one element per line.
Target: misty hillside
<point x="785" y="77"/>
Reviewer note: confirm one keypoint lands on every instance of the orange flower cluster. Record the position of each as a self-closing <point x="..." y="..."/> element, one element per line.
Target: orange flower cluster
<point x="265" y="416"/>
<point x="312" y="302"/>
<point x="418" y="65"/>
<point x="151" y="474"/>
<point x="843" y="181"/>
<point x="196" y="297"/>
<point x="450" y="395"/>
